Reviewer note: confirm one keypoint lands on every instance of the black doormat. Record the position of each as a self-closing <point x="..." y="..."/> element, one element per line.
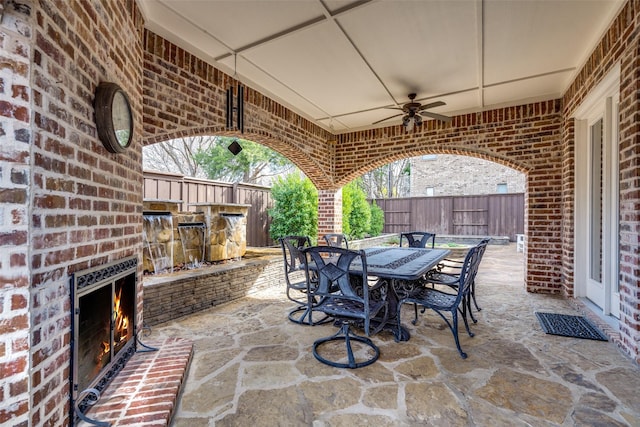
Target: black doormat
<point x="570" y="326"/>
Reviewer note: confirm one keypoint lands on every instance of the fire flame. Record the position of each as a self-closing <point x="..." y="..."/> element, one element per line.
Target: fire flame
<point x="121" y="321"/>
<point x="121" y="325"/>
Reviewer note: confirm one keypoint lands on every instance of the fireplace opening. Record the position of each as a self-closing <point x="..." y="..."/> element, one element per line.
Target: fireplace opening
<point x="103" y="328"/>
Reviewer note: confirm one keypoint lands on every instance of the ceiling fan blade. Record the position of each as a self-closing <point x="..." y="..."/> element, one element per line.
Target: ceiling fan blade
<point x="380" y="121"/>
<point x="432" y="105"/>
<point x="436" y="116"/>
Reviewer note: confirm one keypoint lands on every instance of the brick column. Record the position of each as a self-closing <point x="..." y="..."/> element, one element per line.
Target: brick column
<point x="329" y="212"/>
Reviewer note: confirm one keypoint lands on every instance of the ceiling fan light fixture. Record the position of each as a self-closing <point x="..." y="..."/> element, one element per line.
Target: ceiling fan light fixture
<point x="408" y="123"/>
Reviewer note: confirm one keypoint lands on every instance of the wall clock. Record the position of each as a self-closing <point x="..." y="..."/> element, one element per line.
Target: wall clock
<point x="114" y="119"/>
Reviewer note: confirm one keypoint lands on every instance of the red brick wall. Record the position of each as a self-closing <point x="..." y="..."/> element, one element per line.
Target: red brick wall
<point x="185" y="96"/>
<point x="527" y="138"/>
<point x="15" y="160"/>
<point x="68" y="204"/>
<point x="620" y="44"/>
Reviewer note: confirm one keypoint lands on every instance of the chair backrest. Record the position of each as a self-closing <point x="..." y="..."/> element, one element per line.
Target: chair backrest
<point x="469" y="269"/>
<point x="335" y="272"/>
<point x="292" y="247"/>
<point x="336" y="240"/>
<point x="418" y="239"/>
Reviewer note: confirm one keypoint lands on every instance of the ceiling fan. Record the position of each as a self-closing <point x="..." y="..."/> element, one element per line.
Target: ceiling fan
<point x="413" y="112"/>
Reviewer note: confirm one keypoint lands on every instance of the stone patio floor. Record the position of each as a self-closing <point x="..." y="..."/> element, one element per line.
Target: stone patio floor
<point x="253" y="367"/>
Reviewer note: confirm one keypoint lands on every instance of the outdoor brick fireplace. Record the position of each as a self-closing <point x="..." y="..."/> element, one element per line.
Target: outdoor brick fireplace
<point x="103" y="328"/>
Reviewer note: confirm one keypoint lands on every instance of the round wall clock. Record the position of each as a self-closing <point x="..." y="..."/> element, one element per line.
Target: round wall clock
<point x="114" y="119"/>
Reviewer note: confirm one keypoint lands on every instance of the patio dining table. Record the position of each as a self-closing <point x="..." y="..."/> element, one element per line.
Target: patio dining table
<point x="401" y="267"/>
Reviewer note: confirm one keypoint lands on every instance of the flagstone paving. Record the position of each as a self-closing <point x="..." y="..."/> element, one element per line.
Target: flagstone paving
<point x="251" y="366"/>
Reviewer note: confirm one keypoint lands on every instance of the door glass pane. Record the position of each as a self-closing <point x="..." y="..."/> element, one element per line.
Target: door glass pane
<point x="595" y="257"/>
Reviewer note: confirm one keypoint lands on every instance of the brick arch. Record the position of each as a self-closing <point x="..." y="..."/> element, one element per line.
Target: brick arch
<point x="185" y="96"/>
<point x="461" y="151"/>
<point x="307" y="164"/>
<point x="528" y="138"/>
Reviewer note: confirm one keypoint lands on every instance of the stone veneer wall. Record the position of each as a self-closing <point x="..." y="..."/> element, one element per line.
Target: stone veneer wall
<point x="67" y="203"/>
<point x="168" y="297"/>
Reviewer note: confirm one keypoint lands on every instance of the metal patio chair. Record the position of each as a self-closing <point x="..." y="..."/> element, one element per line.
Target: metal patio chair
<point x="336" y="240"/>
<point x="345" y="295"/>
<point x="418" y="239"/>
<point x="447" y="271"/>
<point x="297" y="286"/>
<point x="443" y="302"/>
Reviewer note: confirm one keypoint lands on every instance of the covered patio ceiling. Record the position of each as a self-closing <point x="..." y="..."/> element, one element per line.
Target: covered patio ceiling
<point x="344" y="63"/>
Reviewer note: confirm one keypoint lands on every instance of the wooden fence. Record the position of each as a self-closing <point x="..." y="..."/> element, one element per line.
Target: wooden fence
<point x="490" y="215"/>
<point x="486" y="215"/>
<point x="187" y="191"/>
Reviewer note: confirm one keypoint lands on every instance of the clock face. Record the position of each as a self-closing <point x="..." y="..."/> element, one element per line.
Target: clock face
<point x="114" y="119"/>
<point x="121" y="117"/>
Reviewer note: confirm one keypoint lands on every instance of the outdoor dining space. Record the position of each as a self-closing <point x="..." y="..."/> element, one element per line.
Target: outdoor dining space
<point x="252" y="365"/>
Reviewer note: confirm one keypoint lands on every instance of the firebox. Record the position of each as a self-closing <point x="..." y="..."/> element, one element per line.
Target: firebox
<point x="103" y="329"/>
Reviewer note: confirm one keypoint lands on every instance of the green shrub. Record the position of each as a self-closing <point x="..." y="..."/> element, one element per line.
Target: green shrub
<point x="377" y="220"/>
<point x="356" y="213"/>
<point x="346" y="209"/>
<point x="295" y="210"/>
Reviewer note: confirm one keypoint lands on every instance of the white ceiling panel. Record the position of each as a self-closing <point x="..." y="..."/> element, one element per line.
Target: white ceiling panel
<point x="428" y="47"/>
<point x="309" y="62"/>
<point x="341" y="62"/>
<point x="272" y="87"/>
<point x="537" y="37"/>
<point x="544" y="87"/>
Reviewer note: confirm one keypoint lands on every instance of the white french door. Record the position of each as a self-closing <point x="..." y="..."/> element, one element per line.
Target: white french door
<point x="597" y="209"/>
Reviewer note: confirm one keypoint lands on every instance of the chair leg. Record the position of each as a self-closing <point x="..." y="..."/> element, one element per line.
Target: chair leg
<point x="454" y="330"/>
<point x="468" y="303"/>
<point x="453" y="327"/>
<point x="306" y="318"/>
<point x="345" y="334"/>
<point x="415" y="311"/>
<point x="473" y="295"/>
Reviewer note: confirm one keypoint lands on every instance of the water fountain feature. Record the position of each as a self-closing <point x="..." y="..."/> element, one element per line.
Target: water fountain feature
<point x="193" y="238"/>
<point x="215" y="232"/>
<point x="234" y="227"/>
<point x="158" y="238"/>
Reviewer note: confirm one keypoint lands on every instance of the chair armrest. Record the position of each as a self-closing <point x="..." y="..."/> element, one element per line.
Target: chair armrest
<point x="449" y="263"/>
<point x="437" y="277"/>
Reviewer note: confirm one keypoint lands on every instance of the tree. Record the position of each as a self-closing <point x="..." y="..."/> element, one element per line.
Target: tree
<point x="177" y="155"/>
<point x="255" y="164"/>
<point x="391" y="180"/>
<point x="295" y="209"/>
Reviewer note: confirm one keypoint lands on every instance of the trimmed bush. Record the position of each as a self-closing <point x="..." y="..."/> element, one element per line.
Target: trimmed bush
<point x="295" y="210"/>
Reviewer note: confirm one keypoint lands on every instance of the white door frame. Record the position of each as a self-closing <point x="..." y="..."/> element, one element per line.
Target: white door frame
<point x="601" y="103"/>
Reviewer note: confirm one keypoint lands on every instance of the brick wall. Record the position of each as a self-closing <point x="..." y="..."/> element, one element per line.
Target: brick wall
<point x="15" y="179"/>
<point x="621" y="43"/>
<point x="67" y="203"/>
<point x="527" y="138"/>
<point x="451" y="175"/>
<point x="184" y="96"/>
